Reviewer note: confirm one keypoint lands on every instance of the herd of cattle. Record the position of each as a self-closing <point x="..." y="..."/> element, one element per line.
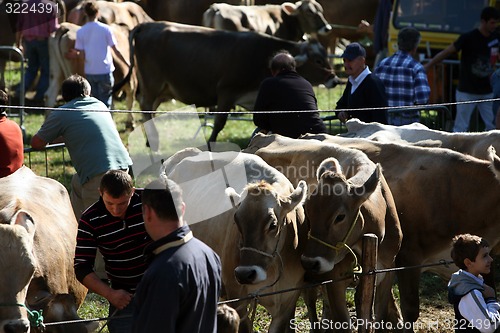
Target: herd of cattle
<point x="289" y="211"/>
<point x="220" y="65"/>
<point x="413" y="187"/>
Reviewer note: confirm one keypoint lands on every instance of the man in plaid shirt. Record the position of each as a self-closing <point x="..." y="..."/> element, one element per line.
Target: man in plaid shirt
<point x="404" y="78"/>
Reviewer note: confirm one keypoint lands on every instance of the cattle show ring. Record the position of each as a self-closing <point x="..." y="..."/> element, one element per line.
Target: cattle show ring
<point x="346" y="231"/>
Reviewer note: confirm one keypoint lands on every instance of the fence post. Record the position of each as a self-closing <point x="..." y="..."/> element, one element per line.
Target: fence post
<point x="366" y="289"/>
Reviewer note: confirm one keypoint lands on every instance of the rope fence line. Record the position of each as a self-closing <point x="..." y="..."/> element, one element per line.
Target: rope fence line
<point x="256" y="296"/>
<point x="42" y="108"/>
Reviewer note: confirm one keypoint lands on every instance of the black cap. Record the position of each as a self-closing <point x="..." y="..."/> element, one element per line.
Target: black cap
<point x="354" y="50"/>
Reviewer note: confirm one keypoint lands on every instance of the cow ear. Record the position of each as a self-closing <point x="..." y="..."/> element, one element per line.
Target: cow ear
<point x="233" y="196"/>
<point x="330" y="164"/>
<point x="297" y="197"/>
<point x="362" y="192"/>
<point x="25" y="220"/>
<point x="289" y="8"/>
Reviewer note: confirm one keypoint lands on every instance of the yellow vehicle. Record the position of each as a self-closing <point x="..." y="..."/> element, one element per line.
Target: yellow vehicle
<point x="440" y="22"/>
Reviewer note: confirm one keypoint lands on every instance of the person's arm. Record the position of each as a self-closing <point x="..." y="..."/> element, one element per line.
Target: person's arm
<point x="482" y="315"/>
<point x="120" y="55"/>
<point x="342" y="104"/>
<point x="37" y="142"/>
<point x="421" y="87"/>
<point x="261" y="119"/>
<point x="440" y="56"/>
<point x="119" y="298"/>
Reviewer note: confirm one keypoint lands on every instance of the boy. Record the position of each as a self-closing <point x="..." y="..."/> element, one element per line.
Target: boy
<point x="475" y="305"/>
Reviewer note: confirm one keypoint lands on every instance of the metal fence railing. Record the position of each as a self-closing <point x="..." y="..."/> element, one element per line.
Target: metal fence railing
<point x="44" y="167"/>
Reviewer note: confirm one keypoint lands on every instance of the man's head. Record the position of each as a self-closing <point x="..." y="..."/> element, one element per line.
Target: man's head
<point x="75" y="86"/>
<point x="91" y="8"/>
<point x="4" y="100"/>
<point x="164" y="196"/>
<point x="116" y="190"/>
<point x="471" y="253"/>
<point x="282" y="61"/>
<point x="489" y="20"/>
<point x="354" y="59"/>
<point x="408" y="39"/>
<point x="162" y="204"/>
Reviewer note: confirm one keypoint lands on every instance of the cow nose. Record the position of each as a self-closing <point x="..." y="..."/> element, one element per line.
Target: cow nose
<point x="17" y="326"/>
<point x="245" y="275"/>
<point x="310" y="264"/>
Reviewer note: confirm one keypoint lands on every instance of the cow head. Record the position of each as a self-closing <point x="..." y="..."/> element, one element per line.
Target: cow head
<point x="310" y="16"/>
<point x="313" y="64"/>
<point x="264" y="217"/>
<point x="60" y="308"/>
<point x="17" y="264"/>
<point x="333" y="211"/>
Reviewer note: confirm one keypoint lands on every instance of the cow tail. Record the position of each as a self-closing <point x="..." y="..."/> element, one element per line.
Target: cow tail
<point x="118" y="86"/>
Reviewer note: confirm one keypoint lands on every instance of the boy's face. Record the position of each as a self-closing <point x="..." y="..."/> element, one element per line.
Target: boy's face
<point x="482" y="263"/>
<point x="116" y="206"/>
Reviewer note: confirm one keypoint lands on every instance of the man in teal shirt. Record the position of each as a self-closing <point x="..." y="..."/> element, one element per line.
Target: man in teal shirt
<point x="91" y="138"/>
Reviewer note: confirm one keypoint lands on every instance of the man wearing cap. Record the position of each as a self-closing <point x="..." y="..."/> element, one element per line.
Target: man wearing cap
<point x="363" y="91"/>
<point x="11" y="141"/>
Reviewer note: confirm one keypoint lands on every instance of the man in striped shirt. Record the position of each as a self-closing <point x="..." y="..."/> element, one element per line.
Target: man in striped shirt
<point x="404" y="78"/>
<point x="115" y="226"/>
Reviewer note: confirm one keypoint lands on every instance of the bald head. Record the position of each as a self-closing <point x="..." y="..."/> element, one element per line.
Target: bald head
<point x="283" y="61"/>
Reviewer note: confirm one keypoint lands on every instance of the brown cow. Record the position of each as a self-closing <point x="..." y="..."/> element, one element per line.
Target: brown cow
<point x="287" y="21"/>
<point x="439" y="193"/>
<point x="258" y="230"/>
<point x="348" y="198"/>
<point x="207" y="67"/>
<point x="38" y="234"/>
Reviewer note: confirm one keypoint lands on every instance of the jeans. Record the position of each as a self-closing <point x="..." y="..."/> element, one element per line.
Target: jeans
<point x="121" y="325"/>
<point x="464" y="111"/>
<point x="101" y="87"/>
<point x="37" y="52"/>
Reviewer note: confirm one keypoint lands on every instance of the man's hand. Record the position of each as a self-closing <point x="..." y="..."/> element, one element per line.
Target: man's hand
<point x="343" y="116"/>
<point x="119" y="298"/>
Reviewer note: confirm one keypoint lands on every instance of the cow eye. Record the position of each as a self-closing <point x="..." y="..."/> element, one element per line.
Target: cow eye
<point x="339" y="218"/>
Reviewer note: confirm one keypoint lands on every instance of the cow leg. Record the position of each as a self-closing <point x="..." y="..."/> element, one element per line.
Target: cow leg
<point x="409" y="281"/>
<point x="283" y="312"/>
<point x="337" y="301"/>
<point x="219" y="123"/>
<point x="386" y="309"/>
<point x="310" y="296"/>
